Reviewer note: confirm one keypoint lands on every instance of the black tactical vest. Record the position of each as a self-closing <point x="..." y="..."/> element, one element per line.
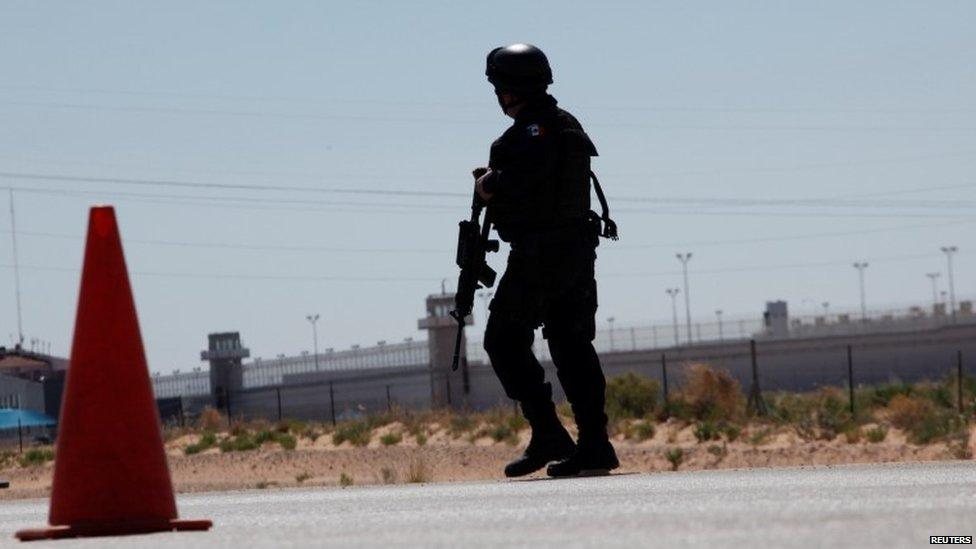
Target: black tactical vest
<point x="547" y="154"/>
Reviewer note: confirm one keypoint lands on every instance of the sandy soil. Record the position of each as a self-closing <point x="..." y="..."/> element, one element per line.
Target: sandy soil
<point x="445" y="457"/>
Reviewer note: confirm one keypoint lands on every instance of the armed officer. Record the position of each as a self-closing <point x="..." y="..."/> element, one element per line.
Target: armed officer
<point x="537" y="188"/>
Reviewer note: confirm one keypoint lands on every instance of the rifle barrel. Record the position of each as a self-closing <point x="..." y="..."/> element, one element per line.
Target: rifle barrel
<point x="457" y="346"/>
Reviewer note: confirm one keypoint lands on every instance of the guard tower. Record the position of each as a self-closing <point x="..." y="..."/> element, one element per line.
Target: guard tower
<point x="446" y="387"/>
<point x="225" y="354"/>
<point x="776" y="319"/>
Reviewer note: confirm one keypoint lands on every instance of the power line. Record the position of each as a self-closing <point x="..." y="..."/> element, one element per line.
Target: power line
<point x="238" y="276"/>
<point x="429" y="120"/>
<point x="225" y="186"/>
<point x="624" y="175"/>
<point x="782" y="266"/>
<point x="268" y="205"/>
<point x="439" y="102"/>
<point x="264" y="205"/>
<point x="787" y="238"/>
<point x="722" y="201"/>
<point x="313" y="278"/>
<point x="339" y="249"/>
<point x="254" y="247"/>
<point x="207" y="199"/>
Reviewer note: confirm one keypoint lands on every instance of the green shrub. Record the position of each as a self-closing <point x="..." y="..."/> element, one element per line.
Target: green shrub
<point x="460" y="424"/>
<point x="877" y="434"/>
<point x="675" y="456"/>
<point x="500" y="433"/>
<point x="760" y="436"/>
<point x="345" y="480"/>
<point x="642" y="430"/>
<point x="825" y="413"/>
<point x="287" y="441"/>
<point x="265" y="436"/>
<point x="805" y="428"/>
<point x="517" y="422"/>
<point x="731" y="431"/>
<point x="706" y="431"/>
<point x="631" y="396"/>
<point x="291" y="426"/>
<point x="207" y="440"/>
<point x="922" y="420"/>
<point x="787" y="408"/>
<point x="282" y="437"/>
<point x="358" y="433"/>
<point x="241" y="443"/>
<point x="36" y="456"/>
<point x="421" y="439"/>
<point x="302" y="477"/>
<point x="833" y="413"/>
<point x="390" y="439"/>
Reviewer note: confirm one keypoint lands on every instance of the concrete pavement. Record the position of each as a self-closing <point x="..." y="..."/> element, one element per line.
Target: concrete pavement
<point x="862" y="505"/>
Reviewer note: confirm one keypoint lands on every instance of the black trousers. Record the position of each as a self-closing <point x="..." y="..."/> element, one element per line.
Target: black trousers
<point x="549" y="284"/>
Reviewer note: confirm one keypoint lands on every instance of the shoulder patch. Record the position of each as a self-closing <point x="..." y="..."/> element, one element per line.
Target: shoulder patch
<point x="536" y="130"/>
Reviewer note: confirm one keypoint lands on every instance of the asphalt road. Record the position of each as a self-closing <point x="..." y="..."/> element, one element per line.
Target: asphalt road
<point x="864" y="506"/>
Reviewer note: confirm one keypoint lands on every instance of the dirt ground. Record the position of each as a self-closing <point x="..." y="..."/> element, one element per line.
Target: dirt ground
<point x="445" y="457"/>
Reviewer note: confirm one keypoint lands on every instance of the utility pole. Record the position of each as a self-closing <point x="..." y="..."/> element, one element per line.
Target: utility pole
<point x="673" y="294"/>
<point x="949" y="251"/>
<point x="313" y="319"/>
<point x="610" y="322"/>
<point x="826" y="308"/>
<point x="684" y="259"/>
<point x="860" y="266"/>
<point x="13" y="237"/>
<point x="718" y="313"/>
<point x="934" y="277"/>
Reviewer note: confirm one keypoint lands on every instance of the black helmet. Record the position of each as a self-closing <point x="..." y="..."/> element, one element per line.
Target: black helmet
<point x="519" y="68"/>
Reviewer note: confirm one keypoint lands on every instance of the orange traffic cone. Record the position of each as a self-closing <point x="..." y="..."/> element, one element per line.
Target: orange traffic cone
<point x="110" y="472"/>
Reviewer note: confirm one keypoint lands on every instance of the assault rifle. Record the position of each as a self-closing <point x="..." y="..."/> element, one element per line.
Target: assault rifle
<point x="473" y="244"/>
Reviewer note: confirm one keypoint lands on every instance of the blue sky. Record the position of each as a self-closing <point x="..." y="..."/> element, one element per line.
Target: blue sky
<point x="705" y="114"/>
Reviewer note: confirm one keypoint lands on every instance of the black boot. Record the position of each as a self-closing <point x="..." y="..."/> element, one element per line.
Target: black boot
<point x="549" y="442"/>
<point x="594" y="456"/>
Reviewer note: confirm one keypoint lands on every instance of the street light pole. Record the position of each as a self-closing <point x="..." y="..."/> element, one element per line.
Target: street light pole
<point x="826" y="307"/>
<point x="684" y="259"/>
<point x="935" y="288"/>
<point x="610" y="321"/>
<point x="673" y="294"/>
<point x="718" y="313"/>
<point x="313" y="319"/>
<point x="13" y="238"/>
<point x="860" y="266"/>
<point x="949" y="251"/>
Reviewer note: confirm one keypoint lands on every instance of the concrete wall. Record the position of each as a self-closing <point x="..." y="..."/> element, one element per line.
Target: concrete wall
<point x="21" y="393"/>
<point x="793" y="364"/>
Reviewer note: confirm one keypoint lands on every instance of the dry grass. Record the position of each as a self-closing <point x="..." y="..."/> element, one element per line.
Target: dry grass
<point x="711" y="394"/>
<point x="210" y="420"/>
<point x="419" y="471"/>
